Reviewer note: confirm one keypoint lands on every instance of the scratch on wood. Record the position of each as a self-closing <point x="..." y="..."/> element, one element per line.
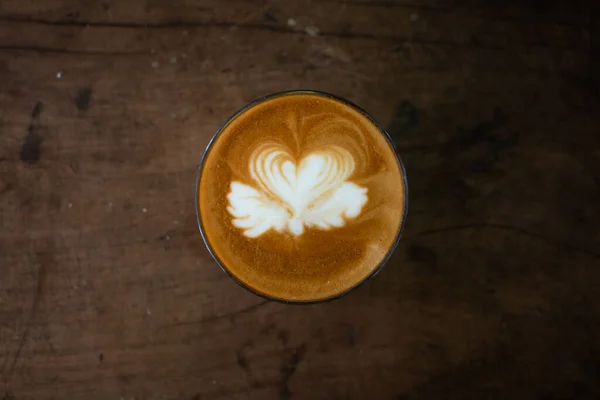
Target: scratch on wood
<point x="242" y="362"/>
<point x="278" y="29"/>
<point x="31" y="149"/>
<point x="37" y="296"/>
<point x="289" y="369"/>
<point x="38" y="49"/>
<point x="514" y="229"/>
<point x="220" y="317"/>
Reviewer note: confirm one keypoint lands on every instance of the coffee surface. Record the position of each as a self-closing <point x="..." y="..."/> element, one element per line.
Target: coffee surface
<point x="301" y="197"/>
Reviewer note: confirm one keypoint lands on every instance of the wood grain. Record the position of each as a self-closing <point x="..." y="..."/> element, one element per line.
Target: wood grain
<point x="108" y="292"/>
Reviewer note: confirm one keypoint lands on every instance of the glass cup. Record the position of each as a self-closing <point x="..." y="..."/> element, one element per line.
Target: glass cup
<point x="215" y="138"/>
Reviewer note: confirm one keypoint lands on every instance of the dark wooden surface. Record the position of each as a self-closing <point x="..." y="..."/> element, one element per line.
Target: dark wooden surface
<point x="107" y="292"/>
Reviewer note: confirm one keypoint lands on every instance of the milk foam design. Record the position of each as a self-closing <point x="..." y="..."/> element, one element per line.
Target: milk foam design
<point x="290" y="195"/>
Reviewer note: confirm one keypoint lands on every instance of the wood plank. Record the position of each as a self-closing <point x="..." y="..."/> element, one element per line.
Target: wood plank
<point x="107" y="290"/>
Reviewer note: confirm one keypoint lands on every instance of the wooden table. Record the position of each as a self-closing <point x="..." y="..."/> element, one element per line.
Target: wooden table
<point x="107" y="291"/>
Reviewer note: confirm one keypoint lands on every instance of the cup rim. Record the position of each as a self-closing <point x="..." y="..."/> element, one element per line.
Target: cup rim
<point x="214" y="138"/>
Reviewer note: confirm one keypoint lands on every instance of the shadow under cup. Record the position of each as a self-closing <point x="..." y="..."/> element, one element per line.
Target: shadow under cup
<point x="223" y="265"/>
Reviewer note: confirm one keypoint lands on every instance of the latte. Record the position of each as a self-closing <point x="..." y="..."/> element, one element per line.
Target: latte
<point x="301" y="197"/>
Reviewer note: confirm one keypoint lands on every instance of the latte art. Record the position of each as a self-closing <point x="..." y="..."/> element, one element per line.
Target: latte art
<point x="301" y="197"/>
<point x="289" y="196"/>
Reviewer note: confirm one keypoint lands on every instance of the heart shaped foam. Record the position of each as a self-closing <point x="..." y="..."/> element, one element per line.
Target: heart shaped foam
<point x="289" y="195"/>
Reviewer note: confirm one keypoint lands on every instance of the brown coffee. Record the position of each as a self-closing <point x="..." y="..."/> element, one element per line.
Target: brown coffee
<point x="301" y="197"/>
